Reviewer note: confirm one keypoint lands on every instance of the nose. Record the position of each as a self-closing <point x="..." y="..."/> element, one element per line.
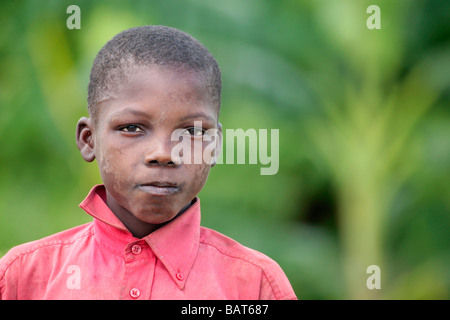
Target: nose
<point x="159" y="153"/>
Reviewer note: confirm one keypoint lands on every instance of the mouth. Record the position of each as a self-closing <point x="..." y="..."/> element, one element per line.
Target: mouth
<point x="159" y="188"/>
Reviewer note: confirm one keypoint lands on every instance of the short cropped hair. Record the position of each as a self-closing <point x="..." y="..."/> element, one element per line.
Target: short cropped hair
<point x="150" y="46"/>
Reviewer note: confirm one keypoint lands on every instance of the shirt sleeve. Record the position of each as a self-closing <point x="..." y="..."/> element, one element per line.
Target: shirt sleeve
<point x="8" y="276"/>
<point x="3" y="267"/>
<point x="275" y="285"/>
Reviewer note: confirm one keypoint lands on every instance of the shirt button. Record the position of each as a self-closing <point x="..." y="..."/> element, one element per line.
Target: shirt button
<point x="180" y="276"/>
<point x="136" y="249"/>
<point x="135" y="293"/>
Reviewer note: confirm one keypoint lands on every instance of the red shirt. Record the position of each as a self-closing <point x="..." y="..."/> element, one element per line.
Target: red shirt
<point x="102" y="260"/>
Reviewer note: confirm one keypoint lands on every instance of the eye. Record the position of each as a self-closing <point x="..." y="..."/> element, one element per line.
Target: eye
<point x="131" y="128"/>
<point x="195" y="131"/>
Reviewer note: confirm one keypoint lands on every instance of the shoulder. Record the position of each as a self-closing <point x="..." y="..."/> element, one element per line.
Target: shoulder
<point x="273" y="277"/>
<point x="229" y="247"/>
<point x="51" y="242"/>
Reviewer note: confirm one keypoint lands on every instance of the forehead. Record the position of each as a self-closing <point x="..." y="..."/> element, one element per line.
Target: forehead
<point x="160" y="89"/>
<point x="161" y="82"/>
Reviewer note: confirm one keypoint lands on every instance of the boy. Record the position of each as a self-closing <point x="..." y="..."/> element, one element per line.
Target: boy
<point x="145" y="241"/>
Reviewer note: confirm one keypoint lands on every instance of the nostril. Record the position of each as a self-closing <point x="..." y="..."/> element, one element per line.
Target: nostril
<point x="169" y="163"/>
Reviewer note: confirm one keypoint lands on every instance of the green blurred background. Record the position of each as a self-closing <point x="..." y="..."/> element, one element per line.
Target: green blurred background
<point x="364" y="122"/>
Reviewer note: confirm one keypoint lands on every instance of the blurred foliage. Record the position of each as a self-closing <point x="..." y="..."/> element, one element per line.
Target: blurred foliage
<point x="364" y="126"/>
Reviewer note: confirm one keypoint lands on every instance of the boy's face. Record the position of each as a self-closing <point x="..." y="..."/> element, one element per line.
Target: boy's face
<point x="131" y="140"/>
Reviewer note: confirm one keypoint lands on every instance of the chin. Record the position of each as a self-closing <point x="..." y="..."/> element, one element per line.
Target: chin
<point x="156" y="215"/>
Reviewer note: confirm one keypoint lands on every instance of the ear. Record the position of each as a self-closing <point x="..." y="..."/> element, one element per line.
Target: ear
<point x="85" y="139"/>
<point x="218" y="145"/>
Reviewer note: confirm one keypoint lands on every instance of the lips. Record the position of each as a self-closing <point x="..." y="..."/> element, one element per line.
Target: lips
<point x="159" y="188"/>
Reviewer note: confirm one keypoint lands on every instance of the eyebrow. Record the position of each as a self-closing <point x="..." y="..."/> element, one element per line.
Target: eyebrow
<point x="197" y="115"/>
<point x="138" y="113"/>
<point x="130" y="111"/>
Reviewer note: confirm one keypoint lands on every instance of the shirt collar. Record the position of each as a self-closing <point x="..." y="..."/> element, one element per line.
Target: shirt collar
<point x="175" y="244"/>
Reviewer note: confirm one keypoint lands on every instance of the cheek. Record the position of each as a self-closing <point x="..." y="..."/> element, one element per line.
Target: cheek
<point x="113" y="171"/>
<point x="199" y="170"/>
<point x="199" y="176"/>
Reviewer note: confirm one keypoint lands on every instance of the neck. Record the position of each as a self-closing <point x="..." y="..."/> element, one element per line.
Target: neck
<point x="138" y="228"/>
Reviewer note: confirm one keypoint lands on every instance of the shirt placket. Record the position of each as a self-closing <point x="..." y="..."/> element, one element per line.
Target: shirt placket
<point x="139" y="271"/>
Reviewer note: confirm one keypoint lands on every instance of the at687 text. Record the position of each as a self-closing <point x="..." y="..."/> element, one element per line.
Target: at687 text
<point x="246" y="309"/>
